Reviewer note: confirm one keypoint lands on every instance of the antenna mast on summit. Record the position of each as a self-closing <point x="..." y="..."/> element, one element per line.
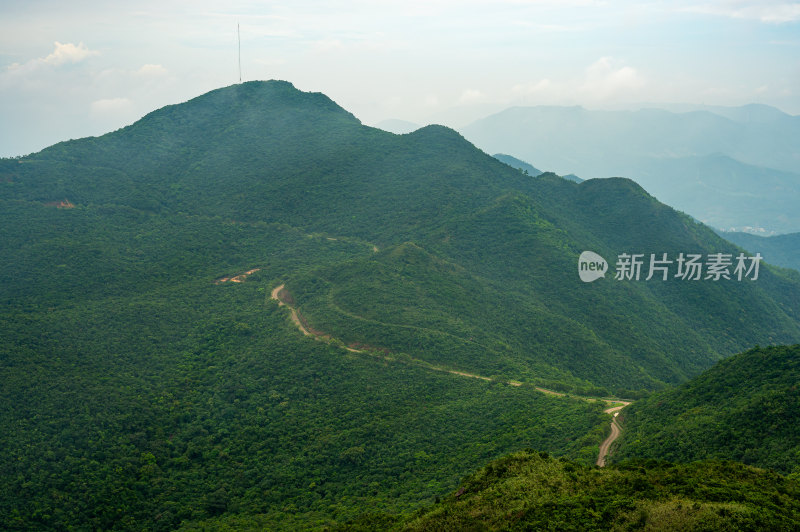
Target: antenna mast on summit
<point x="239" y="38"/>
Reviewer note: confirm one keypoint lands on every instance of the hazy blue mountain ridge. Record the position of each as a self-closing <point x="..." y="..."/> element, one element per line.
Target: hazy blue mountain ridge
<point x="781" y="250"/>
<point x="736" y="167"/>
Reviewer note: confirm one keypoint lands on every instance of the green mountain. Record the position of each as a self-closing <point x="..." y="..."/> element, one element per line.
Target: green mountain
<point x="265" y="152"/>
<point x="745" y="408"/>
<point x="532" y="491"/>
<point x="150" y="381"/>
<point x="512" y="264"/>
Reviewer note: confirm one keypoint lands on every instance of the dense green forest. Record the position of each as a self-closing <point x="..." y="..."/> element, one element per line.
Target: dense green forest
<point x="533" y="491"/>
<point x="144" y="389"/>
<point x="745" y="408"/>
<point x="138" y="393"/>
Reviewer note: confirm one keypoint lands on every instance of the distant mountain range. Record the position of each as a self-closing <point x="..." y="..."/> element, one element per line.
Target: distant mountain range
<point x="529" y="169"/>
<point x="781" y="250"/>
<point x="732" y="168"/>
<point x="513" y="162"/>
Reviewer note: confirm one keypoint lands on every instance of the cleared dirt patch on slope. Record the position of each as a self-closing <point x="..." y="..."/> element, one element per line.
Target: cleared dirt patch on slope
<point x="237" y="278"/>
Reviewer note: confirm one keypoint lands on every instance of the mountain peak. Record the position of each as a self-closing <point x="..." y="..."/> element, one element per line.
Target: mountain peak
<point x="437" y="130"/>
<point x="440" y="136"/>
<point x="252" y="99"/>
<point x="236" y="116"/>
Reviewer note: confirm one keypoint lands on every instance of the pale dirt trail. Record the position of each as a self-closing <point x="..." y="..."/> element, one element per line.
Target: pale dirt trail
<point x="616" y="430"/>
<point x="274" y="294"/>
<point x="237" y="278"/>
<point x="295" y="318"/>
<point x="550" y="392"/>
<point x="604" y="447"/>
<point x="622" y="404"/>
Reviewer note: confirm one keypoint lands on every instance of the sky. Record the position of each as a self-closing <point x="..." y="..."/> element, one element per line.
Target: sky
<point x="75" y="68"/>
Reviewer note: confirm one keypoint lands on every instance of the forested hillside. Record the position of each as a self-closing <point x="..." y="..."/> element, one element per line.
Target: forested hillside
<point x="532" y="491"/>
<point x="139" y="391"/>
<point x="745" y="408"/>
<point x="150" y="382"/>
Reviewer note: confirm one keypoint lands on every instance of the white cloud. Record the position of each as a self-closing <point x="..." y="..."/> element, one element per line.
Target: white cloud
<point x="151" y="71"/>
<point x="69" y="53"/>
<point x="605" y="80"/>
<point x="62" y="54"/>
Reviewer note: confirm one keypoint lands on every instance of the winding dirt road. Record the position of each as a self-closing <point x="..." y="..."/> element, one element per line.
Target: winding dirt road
<point x="295" y="318"/>
<point x="616" y="430"/>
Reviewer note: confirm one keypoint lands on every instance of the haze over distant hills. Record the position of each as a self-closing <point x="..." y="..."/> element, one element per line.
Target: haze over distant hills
<point x="732" y="168"/>
<point x="528" y="169"/>
<point x="781" y="250"/>
<point x="398" y="126"/>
